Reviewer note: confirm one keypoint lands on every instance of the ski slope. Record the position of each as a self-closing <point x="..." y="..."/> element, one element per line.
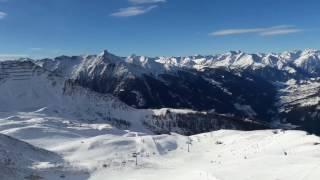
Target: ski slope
<point x="99" y="151"/>
<point x="242" y="155"/>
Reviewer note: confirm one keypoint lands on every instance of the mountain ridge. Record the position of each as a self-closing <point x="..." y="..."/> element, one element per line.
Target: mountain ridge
<point x="253" y="86"/>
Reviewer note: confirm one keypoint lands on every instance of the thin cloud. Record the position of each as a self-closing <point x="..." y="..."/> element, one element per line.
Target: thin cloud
<point x="146" y="1"/>
<point x="3" y="15"/>
<point x="266" y="31"/>
<point x="280" y="32"/>
<point x="4" y="57"/>
<point x="133" y="11"/>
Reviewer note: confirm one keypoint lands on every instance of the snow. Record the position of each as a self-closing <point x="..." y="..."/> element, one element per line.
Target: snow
<point x="163" y="111"/>
<point x="307" y="60"/>
<point x="301" y="93"/>
<point x="243" y="155"/>
<point x="96" y="151"/>
<point x="20" y="160"/>
<point x="59" y="130"/>
<point x="287" y="61"/>
<point x="245" y="109"/>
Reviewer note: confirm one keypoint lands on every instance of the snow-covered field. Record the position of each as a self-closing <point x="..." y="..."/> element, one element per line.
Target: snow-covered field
<point x="99" y="151"/>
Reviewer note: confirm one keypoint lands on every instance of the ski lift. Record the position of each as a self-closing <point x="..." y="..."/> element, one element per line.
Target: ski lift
<point x="135" y="155"/>
<point x="189" y="142"/>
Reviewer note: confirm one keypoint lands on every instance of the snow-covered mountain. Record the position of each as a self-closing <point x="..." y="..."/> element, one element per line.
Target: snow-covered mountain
<point x="268" y="88"/>
<point x="84" y="117"/>
<point x="236" y="83"/>
<point x="295" y="62"/>
<point x="26" y="86"/>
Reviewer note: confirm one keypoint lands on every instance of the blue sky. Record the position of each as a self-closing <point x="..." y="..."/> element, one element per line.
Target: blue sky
<point x="47" y="28"/>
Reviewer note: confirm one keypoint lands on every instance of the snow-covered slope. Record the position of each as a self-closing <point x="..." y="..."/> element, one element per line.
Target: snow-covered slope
<point x="298" y="93"/>
<point x="224" y="155"/>
<point x="86" y="134"/>
<point x="97" y="151"/>
<point x="44" y="91"/>
<point x="20" y="160"/>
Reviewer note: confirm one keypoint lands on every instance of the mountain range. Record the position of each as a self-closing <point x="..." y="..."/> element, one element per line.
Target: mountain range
<point x="187" y="95"/>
